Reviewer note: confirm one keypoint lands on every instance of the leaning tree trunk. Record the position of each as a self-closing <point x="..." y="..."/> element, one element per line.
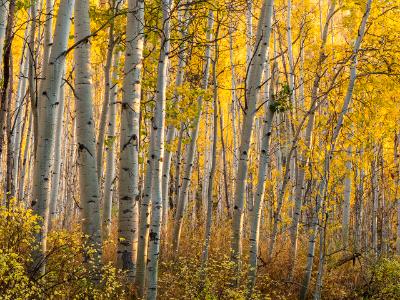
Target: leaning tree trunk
<point x="129" y="139"/>
<point x="158" y="128"/>
<point x="48" y="100"/>
<point x="85" y="131"/>
<point x="329" y="155"/>
<point x="184" y="189"/>
<point x="251" y="96"/>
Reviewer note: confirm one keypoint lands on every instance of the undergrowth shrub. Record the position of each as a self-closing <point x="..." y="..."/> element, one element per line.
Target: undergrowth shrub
<point x="384" y="282"/>
<point x="66" y="276"/>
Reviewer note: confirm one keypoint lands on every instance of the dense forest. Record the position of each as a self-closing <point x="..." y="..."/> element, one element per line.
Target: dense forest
<point x="195" y="149"/>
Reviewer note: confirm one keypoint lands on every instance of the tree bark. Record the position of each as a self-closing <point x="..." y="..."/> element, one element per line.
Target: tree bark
<point x="85" y="132"/>
<point x="129" y="139"/>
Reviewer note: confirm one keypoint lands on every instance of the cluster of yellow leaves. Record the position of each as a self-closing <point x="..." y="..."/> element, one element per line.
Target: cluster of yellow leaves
<point x="70" y="271"/>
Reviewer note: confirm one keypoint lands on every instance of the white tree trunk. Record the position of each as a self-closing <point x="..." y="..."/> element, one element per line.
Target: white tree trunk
<point x="346" y="201"/>
<point x="210" y="188"/>
<point x="19" y="105"/>
<point x="375" y="204"/>
<point x="252" y="94"/>
<point x="304" y="157"/>
<point x="129" y="139"/>
<point x="359" y="207"/>
<point x="264" y="161"/>
<point x="397" y="164"/>
<point x="56" y="170"/>
<point x="144" y="226"/>
<point x="3" y="22"/>
<point x="85" y="131"/>
<point x="329" y="154"/>
<point x="48" y="110"/>
<point x="183" y="193"/>
<point x="158" y="128"/>
<point x="106" y="103"/>
<point x="171" y="131"/>
<point x="110" y="150"/>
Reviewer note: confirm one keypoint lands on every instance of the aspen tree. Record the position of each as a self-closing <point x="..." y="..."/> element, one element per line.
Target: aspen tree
<point x="157" y="154"/>
<point x="329" y="154"/>
<point x="4" y="5"/>
<point x="397" y="166"/>
<point x="184" y="189"/>
<point x="346" y="200"/>
<point x="85" y="130"/>
<point x="358" y="209"/>
<point x="252" y="93"/>
<point x="210" y="189"/>
<point x="56" y="168"/>
<point x="144" y="226"/>
<point x="7" y="71"/>
<point x="106" y="100"/>
<point x="171" y="131"/>
<point x="110" y="150"/>
<point x="304" y="157"/>
<point x="19" y="105"/>
<point x="270" y="107"/>
<point x="129" y="139"/>
<point x="375" y="203"/>
<point x="48" y="99"/>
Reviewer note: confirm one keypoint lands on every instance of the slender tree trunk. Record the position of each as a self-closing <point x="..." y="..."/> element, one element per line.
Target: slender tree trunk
<point x="252" y="93"/>
<point x="106" y="102"/>
<point x="233" y="109"/>
<point x="7" y="72"/>
<point x="24" y="156"/>
<point x="129" y="140"/>
<point x="224" y="164"/>
<point x="359" y="207"/>
<point x="346" y="201"/>
<point x="184" y="189"/>
<point x="304" y="158"/>
<point x="158" y="128"/>
<point x="33" y="87"/>
<point x="210" y="189"/>
<point x="397" y="164"/>
<point x="144" y="226"/>
<point x="4" y="6"/>
<point x="184" y="22"/>
<point x="264" y="162"/>
<point x="110" y="149"/>
<point x="19" y="106"/>
<point x="329" y="155"/>
<point x="375" y="204"/>
<point x="178" y="164"/>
